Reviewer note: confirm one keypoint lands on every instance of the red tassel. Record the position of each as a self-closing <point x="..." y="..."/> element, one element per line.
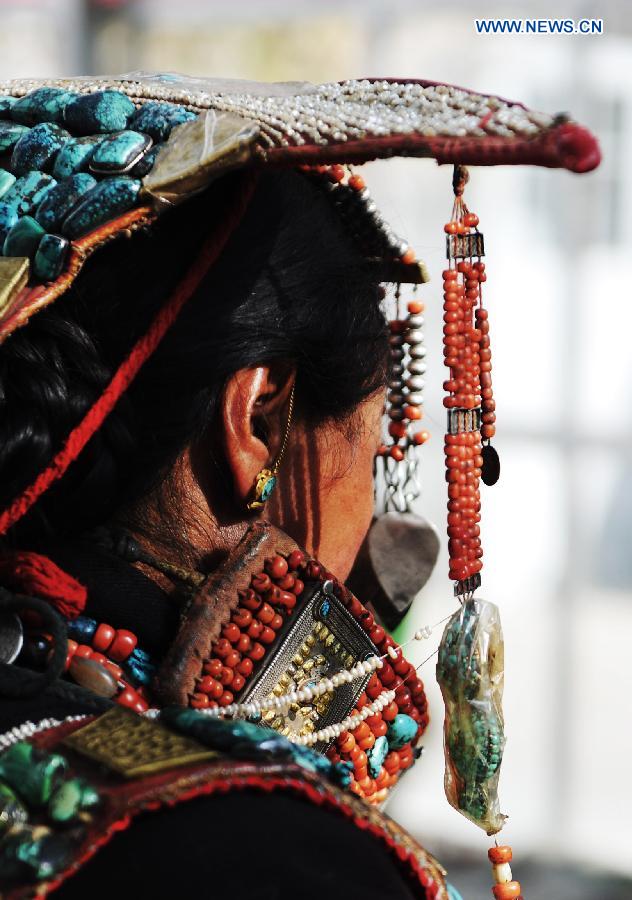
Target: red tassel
<point x="31" y="573"/>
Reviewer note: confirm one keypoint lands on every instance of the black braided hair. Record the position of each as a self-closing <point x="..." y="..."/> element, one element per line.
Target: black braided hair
<point x="290" y="286"/>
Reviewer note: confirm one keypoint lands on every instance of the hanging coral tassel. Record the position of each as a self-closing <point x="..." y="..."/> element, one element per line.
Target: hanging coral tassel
<point x="34" y="574"/>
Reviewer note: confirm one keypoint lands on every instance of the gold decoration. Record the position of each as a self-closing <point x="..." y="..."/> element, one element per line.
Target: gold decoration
<point x="133" y="745"/>
<point x="14" y="274"/>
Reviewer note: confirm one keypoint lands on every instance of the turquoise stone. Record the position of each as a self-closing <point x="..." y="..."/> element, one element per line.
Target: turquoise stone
<point x="45" y="104"/>
<point x="107" y="200"/>
<point x="7" y="180"/>
<point x="44" y="856"/>
<point x="119" y="152"/>
<point x="268" y="487"/>
<point x="62" y="199"/>
<point x="401" y="730"/>
<point x="38" y="148"/>
<point x="50" y="257"/>
<point x="70" y="798"/>
<point x="146" y="164"/>
<point x="28" y="192"/>
<point x="8" y="218"/>
<point x="157" y="119"/>
<point x="99" y="113"/>
<point x="10" y="134"/>
<point x="12" y="812"/>
<point x="453" y="894"/>
<point x="75" y="156"/>
<point x="23" y="239"/>
<point x="377" y="755"/>
<point x="32" y="774"/>
<point x="6" y="105"/>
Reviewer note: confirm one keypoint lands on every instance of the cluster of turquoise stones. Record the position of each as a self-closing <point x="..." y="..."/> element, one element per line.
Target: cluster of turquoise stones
<point x="35" y="784"/>
<point x="71" y="162"/>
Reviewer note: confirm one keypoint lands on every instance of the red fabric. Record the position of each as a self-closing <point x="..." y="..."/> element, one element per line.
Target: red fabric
<point x="31" y="573"/>
<point x="129" y="368"/>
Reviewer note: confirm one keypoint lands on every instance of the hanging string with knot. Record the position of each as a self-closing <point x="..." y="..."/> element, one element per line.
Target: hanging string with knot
<point x="129" y="368"/>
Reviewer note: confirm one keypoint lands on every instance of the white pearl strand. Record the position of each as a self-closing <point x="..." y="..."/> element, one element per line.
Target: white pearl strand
<point x="348" y="724"/>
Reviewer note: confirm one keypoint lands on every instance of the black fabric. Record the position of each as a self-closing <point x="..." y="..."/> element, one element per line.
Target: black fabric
<point x="243" y="846"/>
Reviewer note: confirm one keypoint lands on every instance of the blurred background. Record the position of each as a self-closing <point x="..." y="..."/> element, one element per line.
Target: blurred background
<point x="556" y="530"/>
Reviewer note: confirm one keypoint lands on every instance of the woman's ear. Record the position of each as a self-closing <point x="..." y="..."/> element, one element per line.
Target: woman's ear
<point x="254" y="414"/>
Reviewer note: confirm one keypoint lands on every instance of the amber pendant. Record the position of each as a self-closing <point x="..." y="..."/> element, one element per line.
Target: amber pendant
<point x="395" y="562"/>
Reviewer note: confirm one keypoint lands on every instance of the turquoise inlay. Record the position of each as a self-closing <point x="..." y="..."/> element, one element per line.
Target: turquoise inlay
<point x="7" y="180"/>
<point x="28" y="192"/>
<point x="33" y="774"/>
<point x="158" y="119"/>
<point x="10" y="134"/>
<point x="23" y="239"/>
<point x="107" y="200"/>
<point x="75" y="155"/>
<point x="62" y="199"/>
<point x="268" y="487"/>
<point x="70" y="798"/>
<point x="8" y="218"/>
<point x="99" y="113"/>
<point x="38" y="148"/>
<point x="50" y="257"/>
<point x="119" y="152"/>
<point x="377" y="755"/>
<point x="25" y="856"/>
<point x="6" y="105"/>
<point x="44" y="104"/>
<point x="453" y="894"/>
<point x="401" y="730"/>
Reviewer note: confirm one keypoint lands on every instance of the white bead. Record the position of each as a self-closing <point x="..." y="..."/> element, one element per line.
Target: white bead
<point x="415" y="383"/>
<point x="418" y="352"/>
<point x="392" y="652"/>
<point x="415" y="336"/>
<point x="502" y="873"/>
<point x="379" y="663"/>
<point x="415" y="321"/>
<point x="415" y="399"/>
<point x="328" y="685"/>
<point x="417" y="367"/>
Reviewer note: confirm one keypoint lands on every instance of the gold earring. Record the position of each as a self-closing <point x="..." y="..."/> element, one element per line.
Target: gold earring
<point x="266" y="479"/>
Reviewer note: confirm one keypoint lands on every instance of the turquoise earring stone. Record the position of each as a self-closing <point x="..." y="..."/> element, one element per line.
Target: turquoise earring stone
<point x="38" y="148"/>
<point x="119" y="152"/>
<point x="45" y="104"/>
<point x="7" y="180"/>
<point x="75" y="156"/>
<point x="376" y="756"/>
<point x="158" y="119"/>
<point x="28" y="192"/>
<point x="268" y="488"/>
<point x="62" y="199"/>
<point x="10" y="134"/>
<point x="24" y="238"/>
<point x="401" y="730"/>
<point x="50" y="257"/>
<point x="107" y="200"/>
<point x="99" y="113"/>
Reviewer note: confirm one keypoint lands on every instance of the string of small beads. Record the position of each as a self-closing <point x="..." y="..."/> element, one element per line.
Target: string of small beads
<point x="505" y="888"/>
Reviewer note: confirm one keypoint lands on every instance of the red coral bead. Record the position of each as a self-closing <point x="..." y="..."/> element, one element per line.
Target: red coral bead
<point x="276" y="566"/>
<point x="122" y="645"/>
<point x="258" y="651"/>
<point x="231" y="632"/>
<point x="245" y="667"/>
<point x="237" y="683"/>
<point x="261" y="582"/>
<point x="298" y="588"/>
<point x="296" y="559"/>
<point x="103" y="637"/>
<point x="198" y="701"/>
<point x="267" y="635"/>
<point x="250" y="600"/>
<point x="265" y="614"/>
<point x="231" y="659"/>
<point x="277" y="622"/>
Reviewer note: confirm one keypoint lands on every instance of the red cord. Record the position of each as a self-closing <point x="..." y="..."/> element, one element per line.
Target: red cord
<point x="129" y="368"/>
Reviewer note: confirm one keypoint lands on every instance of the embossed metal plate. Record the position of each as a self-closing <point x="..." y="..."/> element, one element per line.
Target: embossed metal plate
<point x="323" y="639"/>
<point x="133" y="745"/>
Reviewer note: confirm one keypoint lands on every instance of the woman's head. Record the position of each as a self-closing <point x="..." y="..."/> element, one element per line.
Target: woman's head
<point x="289" y="299"/>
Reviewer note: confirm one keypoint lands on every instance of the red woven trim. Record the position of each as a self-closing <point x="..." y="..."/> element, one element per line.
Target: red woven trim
<point x="129" y="368"/>
<point x="268" y="784"/>
<point x="566" y="146"/>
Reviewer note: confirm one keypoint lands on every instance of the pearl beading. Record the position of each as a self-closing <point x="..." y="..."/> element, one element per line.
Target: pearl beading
<point x="304" y="695"/>
<point x="348" y="724"/>
<point x="27" y="729"/>
<point x="332" y="112"/>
